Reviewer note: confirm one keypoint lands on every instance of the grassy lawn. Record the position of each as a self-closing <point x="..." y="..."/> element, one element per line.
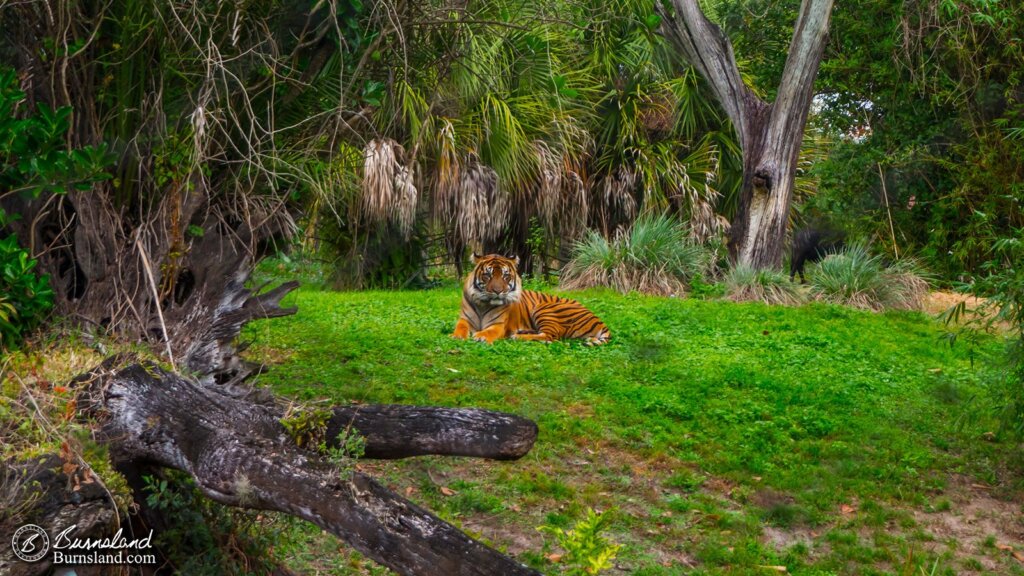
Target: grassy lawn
<point x="728" y="438"/>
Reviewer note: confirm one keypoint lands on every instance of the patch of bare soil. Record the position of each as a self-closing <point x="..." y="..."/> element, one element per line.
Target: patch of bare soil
<point x="973" y="521"/>
<point x="512" y="538"/>
<point x="939" y="301"/>
<point x="784" y="538"/>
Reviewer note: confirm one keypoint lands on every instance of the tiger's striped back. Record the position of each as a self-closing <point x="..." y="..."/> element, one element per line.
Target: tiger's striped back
<point x="562" y="318"/>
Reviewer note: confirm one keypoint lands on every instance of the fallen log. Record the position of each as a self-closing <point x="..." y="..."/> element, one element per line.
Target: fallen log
<point x="239" y="455"/>
<point x="395" y="431"/>
<point x="55" y="496"/>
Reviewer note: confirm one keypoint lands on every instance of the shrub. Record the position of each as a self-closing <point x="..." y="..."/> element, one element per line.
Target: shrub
<point x="1000" y="291"/>
<point x="587" y="551"/>
<point x="24" y="297"/>
<point x="655" y="257"/>
<point x="34" y="159"/>
<point x="855" y="277"/>
<point x="744" y="284"/>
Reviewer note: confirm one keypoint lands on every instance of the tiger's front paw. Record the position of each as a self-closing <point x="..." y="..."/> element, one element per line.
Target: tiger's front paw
<point x="483" y="339"/>
<point x="461" y="330"/>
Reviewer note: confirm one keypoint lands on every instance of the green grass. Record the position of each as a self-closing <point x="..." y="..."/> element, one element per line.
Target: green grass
<point x="706" y="424"/>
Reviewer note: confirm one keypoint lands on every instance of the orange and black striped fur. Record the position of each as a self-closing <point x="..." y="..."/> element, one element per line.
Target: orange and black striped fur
<point x="494" y="306"/>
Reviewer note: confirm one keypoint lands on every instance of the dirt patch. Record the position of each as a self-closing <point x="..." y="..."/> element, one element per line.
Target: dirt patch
<point x="769" y="498"/>
<point x="784" y="538"/>
<point x="980" y="525"/>
<point x="514" y="539"/>
<point x="939" y="302"/>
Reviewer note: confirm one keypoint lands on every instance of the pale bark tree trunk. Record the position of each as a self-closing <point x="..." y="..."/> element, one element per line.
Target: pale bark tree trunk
<point x="770" y="134"/>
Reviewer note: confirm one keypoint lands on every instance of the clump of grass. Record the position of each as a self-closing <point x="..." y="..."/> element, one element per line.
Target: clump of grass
<point x="745" y="284"/>
<point x="855" y="277"/>
<point x="655" y="257"/>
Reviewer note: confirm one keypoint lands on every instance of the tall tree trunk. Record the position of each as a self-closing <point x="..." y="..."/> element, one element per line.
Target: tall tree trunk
<point x="770" y="134"/>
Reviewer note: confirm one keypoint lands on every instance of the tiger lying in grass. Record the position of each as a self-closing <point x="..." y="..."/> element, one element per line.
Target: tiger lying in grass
<point x="495" y="306"/>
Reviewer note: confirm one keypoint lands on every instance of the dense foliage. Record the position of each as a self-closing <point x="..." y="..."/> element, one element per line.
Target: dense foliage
<point x="924" y="104"/>
<point x="928" y="100"/>
<point x="25" y="298"/>
<point x="518" y="133"/>
<point x="33" y="160"/>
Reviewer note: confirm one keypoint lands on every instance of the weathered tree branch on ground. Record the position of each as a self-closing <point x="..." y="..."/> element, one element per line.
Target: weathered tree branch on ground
<point x="240" y="455"/>
<point x="403" y="431"/>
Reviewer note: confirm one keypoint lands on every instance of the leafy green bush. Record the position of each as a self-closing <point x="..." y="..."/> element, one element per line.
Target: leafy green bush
<point x="1001" y="290"/>
<point x="655" y="257"/>
<point x="744" y="284"/>
<point x="33" y="152"/>
<point x="204" y="537"/>
<point x="34" y="159"/>
<point x="855" y="277"/>
<point x="25" y="298"/>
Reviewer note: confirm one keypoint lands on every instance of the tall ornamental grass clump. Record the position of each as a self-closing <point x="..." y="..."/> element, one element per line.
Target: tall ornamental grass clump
<point x="745" y="284"/>
<point x="854" y="277"/>
<point x="655" y="257"/>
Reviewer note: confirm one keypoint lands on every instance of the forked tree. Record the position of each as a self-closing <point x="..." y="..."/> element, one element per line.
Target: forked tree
<point x="770" y="134"/>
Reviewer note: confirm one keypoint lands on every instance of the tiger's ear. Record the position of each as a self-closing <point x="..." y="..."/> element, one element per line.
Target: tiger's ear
<point x="474" y="258"/>
<point x="515" y="260"/>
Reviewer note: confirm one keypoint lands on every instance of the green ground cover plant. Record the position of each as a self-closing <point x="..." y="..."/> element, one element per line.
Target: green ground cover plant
<point x="732" y="438"/>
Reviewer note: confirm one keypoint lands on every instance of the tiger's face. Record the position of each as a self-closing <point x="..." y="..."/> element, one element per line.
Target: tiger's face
<point x="494" y="281"/>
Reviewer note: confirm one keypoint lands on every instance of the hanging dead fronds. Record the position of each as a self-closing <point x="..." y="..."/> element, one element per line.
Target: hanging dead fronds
<point x="379" y="167"/>
<point x="617" y="194"/>
<point x="447" y="175"/>
<point x="573" y="206"/>
<point x="658" y="115"/>
<point x="483" y="208"/>
<point x="388" y="192"/>
<point x="697" y="195"/>
<point x="549" y="185"/>
<point x="404" y="212"/>
<point x="704" y="223"/>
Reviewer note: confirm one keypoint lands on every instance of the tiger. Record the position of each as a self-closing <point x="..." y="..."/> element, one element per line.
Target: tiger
<point x="495" y="306"/>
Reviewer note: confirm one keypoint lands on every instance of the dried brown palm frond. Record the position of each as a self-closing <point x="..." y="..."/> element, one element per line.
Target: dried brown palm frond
<point x="483" y="208"/>
<point x="699" y="198"/>
<point x="703" y="221"/>
<point x="406" y="197"/>
<point x="549" y="185"/>
<point x="617" y="194"/>
<point x="658" y="114"/>
<point x="573" y="206"/>
<point x="447" y="175"/>
<point x="389" y="193"/>
<point x="499" y="214"/>
<point x="379" y="166"/>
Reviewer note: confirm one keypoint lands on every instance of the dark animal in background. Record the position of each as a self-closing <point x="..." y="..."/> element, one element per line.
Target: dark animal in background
<point x="811" y="245"/>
